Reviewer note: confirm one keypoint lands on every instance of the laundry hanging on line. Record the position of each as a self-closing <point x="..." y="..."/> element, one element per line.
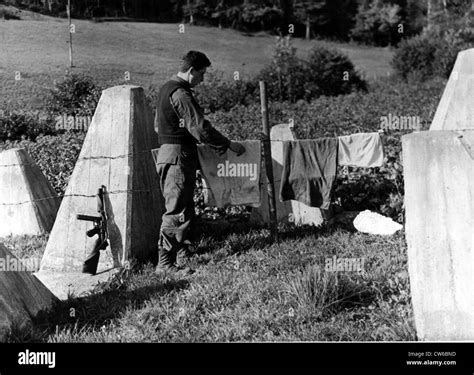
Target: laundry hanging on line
<point x="360" y="150"/>
<point x="232" y="179"/>
<point x="309" y="171"/>
<point x="308" y="174"/>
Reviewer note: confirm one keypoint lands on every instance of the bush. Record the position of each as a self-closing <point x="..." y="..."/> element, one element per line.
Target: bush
<point x="218" y="94"/>
<point x="414" y="59"/>
<point x="7" y="15"/>
<point x="448" y="49"/>
<point x="328" y="72"/>
<point x="424" y="57"/>
<point x="76" y="94"/>
<point x="332" y="73"/>
<point x="287" y="75"/>
<point x="55" y="155"/>
<point x="445" y="58"/>
<point x="18" y="125"/>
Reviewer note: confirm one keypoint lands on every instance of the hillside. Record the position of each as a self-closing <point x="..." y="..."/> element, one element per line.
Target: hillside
<point x="38" y="49"/>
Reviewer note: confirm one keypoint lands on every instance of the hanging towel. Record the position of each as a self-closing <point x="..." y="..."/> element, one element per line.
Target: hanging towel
<point x="309" y="171"/>
<point x="231" y="179"/>
<point x="360" y="150"/>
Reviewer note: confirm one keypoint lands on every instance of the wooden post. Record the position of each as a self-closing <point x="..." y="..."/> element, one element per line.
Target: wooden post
<point x="70" y="34"/>
<point x="267" y="154"/>
<point x="308" y="29"/>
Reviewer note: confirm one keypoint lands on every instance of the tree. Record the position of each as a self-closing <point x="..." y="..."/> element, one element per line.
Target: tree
<point x="376" y="23"/>
<point x="309" y="13"/>
<point x="333" y="18"/>
<point x="445" y="15"/>
<point x="286" y="7"/>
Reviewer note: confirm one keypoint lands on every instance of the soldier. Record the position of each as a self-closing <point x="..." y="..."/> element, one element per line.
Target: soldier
<point x="181" y="124"/>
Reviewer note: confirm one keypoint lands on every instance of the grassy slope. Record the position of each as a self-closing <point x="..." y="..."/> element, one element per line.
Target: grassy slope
<point x="248" y="289"/>
<point x="39" y="50"/>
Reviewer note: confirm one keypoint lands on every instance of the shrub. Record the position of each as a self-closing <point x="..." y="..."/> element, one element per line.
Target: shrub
<point x="427" y="56"/>
<point x="7" y="15"/>
<point x="17" y="125"/>
<point x="332" y="73"/>
<point x="76" y="94"/>
<point x="286" y="77"/>
<point x="448" y="49"/>
<point x="414" y="59"/>
<point x="218" y="94"/>
<point x="328" y="72"/>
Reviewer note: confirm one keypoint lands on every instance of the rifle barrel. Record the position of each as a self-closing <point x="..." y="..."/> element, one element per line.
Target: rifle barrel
<point x="88" y="217"/>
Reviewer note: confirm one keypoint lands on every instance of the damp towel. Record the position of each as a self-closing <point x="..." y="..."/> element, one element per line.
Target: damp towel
<point x="360" y="150"/>
<point x="309" y="171"/>
<point x="231" y="179"/>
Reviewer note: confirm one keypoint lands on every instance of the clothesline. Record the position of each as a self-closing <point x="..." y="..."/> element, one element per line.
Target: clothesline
<point x="309" y="168"/>
<point x="375" y="155"/>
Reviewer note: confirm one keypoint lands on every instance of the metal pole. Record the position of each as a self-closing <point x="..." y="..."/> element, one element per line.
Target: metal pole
<point x="267" y="154"/>
<point x="70" y="33"/>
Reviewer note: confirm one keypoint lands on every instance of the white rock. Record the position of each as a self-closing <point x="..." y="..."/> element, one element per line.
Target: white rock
<point x="374" y="223"/>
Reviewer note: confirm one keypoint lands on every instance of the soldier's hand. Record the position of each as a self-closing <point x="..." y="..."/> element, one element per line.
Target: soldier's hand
<point x="237" y="148"/>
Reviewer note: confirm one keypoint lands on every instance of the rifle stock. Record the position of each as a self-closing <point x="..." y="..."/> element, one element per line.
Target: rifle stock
<point x="100" y="229"/>
<point x="92" y="260"/>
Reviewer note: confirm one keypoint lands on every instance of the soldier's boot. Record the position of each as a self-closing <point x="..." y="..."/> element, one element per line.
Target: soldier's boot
<point x="182" y="256"/>
<point x="180" y="260"/>
<point x="166" y="264"/>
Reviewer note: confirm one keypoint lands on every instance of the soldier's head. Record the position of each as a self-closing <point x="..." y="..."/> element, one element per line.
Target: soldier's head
<point x="193" y="67"/>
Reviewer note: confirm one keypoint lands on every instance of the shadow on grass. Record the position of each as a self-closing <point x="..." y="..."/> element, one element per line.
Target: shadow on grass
<point x="241" y="236"/>
<point x="106" y="302"/>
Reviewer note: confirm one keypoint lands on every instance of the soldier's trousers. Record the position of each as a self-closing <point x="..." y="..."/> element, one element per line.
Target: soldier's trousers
<point x="177" y="183"/>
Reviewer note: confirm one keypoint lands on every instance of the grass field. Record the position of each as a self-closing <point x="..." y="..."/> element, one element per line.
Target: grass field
<point x="38" y="49"/>
<point x="248" y="289"/>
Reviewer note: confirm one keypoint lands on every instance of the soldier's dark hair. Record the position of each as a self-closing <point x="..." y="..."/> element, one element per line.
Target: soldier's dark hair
<point x="195" y="59"/>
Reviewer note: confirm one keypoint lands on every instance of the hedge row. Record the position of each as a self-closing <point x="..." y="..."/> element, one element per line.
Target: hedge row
<point x="378" y="189"/>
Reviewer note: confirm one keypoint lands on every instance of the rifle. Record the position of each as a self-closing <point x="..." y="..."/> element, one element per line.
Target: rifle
<point x="100" y="229"/>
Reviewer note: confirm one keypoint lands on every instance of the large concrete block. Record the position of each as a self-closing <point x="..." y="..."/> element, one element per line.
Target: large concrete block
<point x="117" y="154"/>
<point x="439" y="202"/>
<point x="287" y="211"/>
<point x="456" y="107"/>
<point x="28" y="203"/>
<point x="22" y="295"/>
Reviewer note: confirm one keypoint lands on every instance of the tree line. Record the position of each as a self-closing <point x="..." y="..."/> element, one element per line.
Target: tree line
<point x="377" y="22"/>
